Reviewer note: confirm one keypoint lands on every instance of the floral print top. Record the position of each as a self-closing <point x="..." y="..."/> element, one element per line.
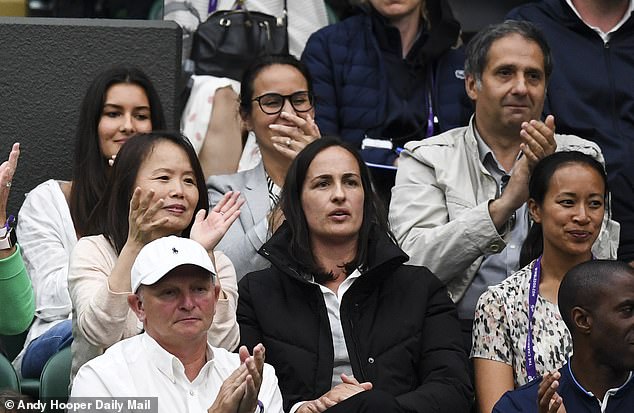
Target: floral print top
<point x="500" y="328"/>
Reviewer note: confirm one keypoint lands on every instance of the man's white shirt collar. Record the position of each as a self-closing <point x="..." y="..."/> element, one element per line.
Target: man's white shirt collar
<point x="605" y="36"/>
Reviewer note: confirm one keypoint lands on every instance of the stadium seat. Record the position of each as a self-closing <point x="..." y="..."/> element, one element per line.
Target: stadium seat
<point x="55" y="378"/>
<point x="8" y="377"/>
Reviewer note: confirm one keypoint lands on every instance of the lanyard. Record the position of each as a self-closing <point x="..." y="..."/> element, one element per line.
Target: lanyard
<point x="430" y="117"/>
<point x="430" y="111"/>
<point x="533" y="293"/>
<point x="237" y="5"/>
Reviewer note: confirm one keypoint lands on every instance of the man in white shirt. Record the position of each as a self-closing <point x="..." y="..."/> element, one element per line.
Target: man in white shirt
<point x="174" y="296"/>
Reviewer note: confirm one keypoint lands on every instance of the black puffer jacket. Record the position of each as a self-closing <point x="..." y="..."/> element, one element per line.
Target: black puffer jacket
<point x="399" y="324"/>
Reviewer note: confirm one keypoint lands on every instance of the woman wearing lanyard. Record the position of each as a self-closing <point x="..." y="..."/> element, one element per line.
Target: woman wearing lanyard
<point x="518" y="333"/>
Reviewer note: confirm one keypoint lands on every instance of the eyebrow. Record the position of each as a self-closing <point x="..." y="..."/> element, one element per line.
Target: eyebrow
<point x="114" y="105"/>
<point x="515" y="67"/>
<point x="626" y="303"/>
<point x="330" y="176"/>
<point x="597" y="194"/>
<point x="189" y="171"/>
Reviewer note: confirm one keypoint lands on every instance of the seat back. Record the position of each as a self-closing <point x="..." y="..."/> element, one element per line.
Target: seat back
<point x="55" y="378"/>
<point x="475" y="15"/>
<point x="46" y="67"/>
<point x="8" y="377"/>
<point x="12" y="345"/>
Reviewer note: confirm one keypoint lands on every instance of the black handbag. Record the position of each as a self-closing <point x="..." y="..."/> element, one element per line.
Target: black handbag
<point x="230" y="40"/>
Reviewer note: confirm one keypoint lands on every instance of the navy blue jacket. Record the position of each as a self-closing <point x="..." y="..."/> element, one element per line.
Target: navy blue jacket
<point x="591" y="90"/>
<point x="576" y="398"/>
<point x="351" y="85"/>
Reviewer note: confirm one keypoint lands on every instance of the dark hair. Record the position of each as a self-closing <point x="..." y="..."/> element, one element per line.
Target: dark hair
<point x="261" y="63"/>
<point x="477" y="51"/>
<point x="90" y="168"/>
<point x="538" y="186"/>
<point x="582" y="286"/>
<point x="111" y="214"/>
<point x="290" y="200"/>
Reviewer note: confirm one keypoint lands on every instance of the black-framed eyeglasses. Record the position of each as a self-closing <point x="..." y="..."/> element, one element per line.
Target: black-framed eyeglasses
<point x="272" y="103"/>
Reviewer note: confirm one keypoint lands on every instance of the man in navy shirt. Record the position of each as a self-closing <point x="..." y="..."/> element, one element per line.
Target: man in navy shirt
<point x="596" y="301"/>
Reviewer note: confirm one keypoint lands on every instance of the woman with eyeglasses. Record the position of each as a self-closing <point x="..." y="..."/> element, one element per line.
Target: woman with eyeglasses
<point x="276" y="104"/>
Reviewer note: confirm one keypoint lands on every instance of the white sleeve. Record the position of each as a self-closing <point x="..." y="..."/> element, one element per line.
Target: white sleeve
<point x="47" y="236"/>
<point x="270" y="394"/>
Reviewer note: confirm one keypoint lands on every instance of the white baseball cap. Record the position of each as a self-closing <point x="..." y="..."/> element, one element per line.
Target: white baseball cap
<point x="162" y="255"/>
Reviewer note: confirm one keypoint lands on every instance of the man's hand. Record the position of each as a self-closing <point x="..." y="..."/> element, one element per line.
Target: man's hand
<point x="538" y="141"/>
<point x="337" y="394"/>
<point x="239" y="392"/>
<point x="231" y="392"/>
<point x="548" y="401"/>
<point x="255" y="369"/>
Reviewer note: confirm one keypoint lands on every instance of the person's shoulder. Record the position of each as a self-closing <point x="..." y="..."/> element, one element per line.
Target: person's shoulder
<point x="576" y="143"/>
<point x="50" y="185"/>
<point x="439" y="150"/>
<point x="47" y="190"/>
<point x="115" y="360"/>
<point x="337" y="41"/>
<point x="509" y="292"/>
<point x="442" y="142"/>
<point x="348" y="25"/>
<point x="119" y="354"/>
<point x="237" y="180"/>
<point x="44" y="205"/>
<point x="95" y="240"/>
<point x="532" y="11"/>
<point x="415" y="279"/>
<point x="522" y="399"/>
<point x="91" y="244"/>
<point x="516" y="282"/>
<point x="414" y="272"/>
<point x="267" y="278"/>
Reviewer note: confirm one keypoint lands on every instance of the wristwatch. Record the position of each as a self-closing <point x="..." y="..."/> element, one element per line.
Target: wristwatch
<point x="5" y="234"/>
<point x="260" y="408"/>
